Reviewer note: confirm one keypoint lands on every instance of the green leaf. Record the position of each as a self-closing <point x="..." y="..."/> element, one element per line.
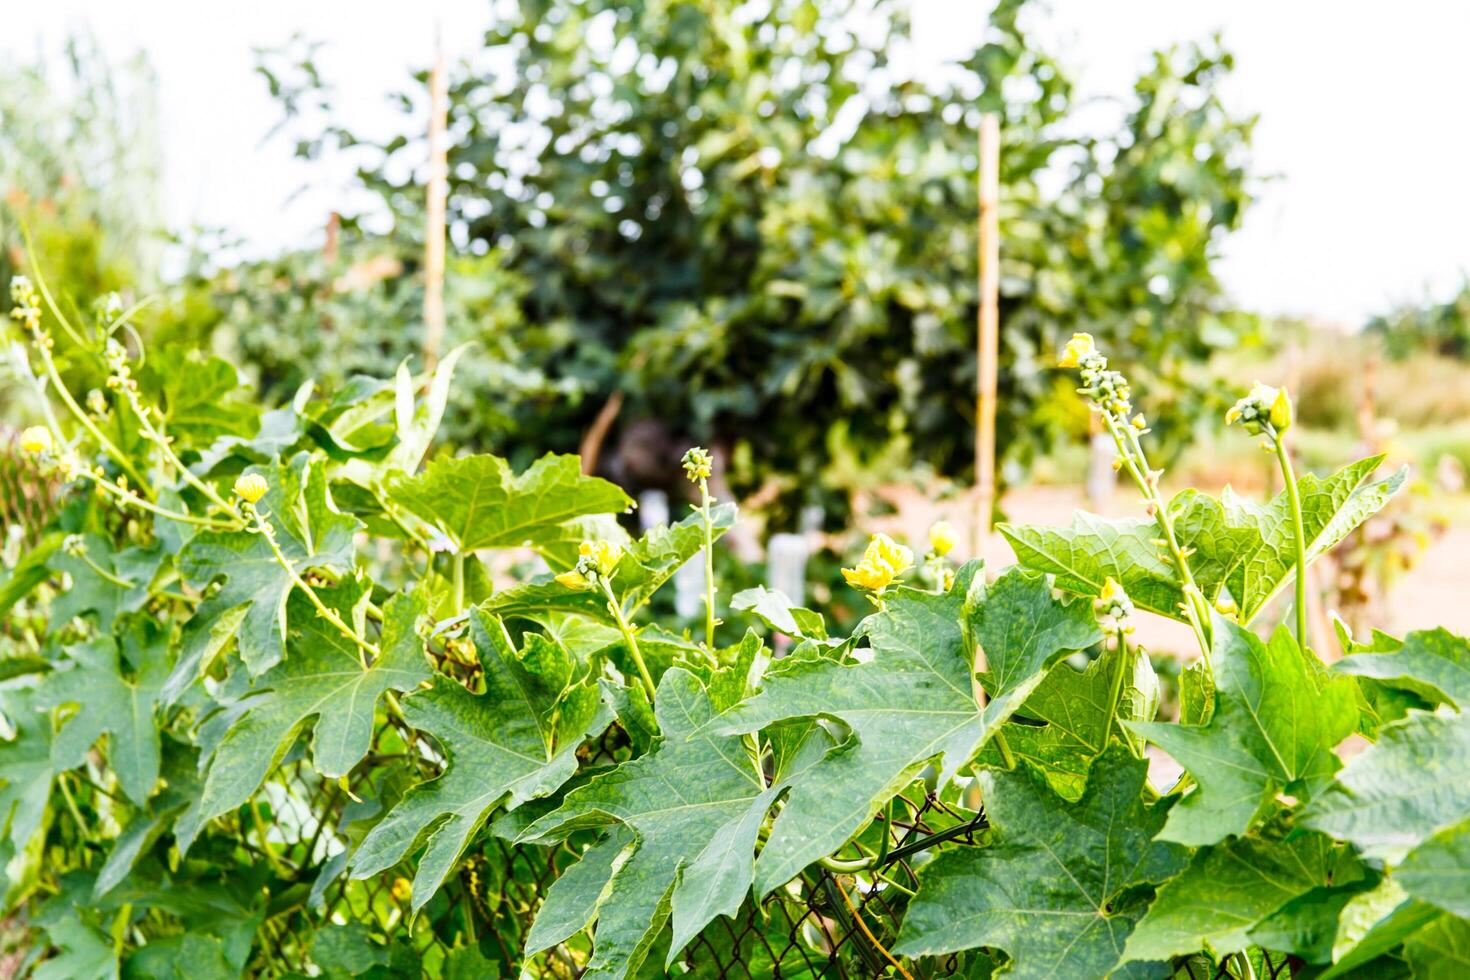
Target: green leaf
<point x="311" y="534"/>
<point x="107" y="702"/>
<point x="104" y="595"/>
<point x="1073" y="706"/>
<point x="1434" y="664"/>
<point x="1248" y="548"/>
<point x="1438" y="871"/>
<point x="647" y="564"/>
<point x="25" y="767"/>
<point x="1059" y="887"/>
<point x="779" y="613"/>
<point x="1278" y="717"/>
<point x="1373" y="923"/>
<point x="1228" y="889"/>
<point x="85" y="954"/>
<point x="1331" y="509"/>
<point x="910" y="704"/>
<point x="694" y="804"/>
<point x="1440" y="951"/>
<point x="572" y="899"/>
<point x="477" y="502"/>
<point x="516" y="742"/>
<point x="1413" y="782"/>
<point x="200" y="396"/>
<point x="322" y="687"/>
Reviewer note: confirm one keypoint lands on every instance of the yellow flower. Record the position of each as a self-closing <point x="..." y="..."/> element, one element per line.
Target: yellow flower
<point x="1281" y="411"/>
<point x="601" y="555"/>
<point x="883" y="561"/>
<point x="251" y="487"/>
<point x="402" y="890"/>
<point x="573" y="580"/>
<point x="1080" y="346"/>
<point x="942" y="538"/>
<point x="1111" y="591"/>
<point x="36" y="440"/>
<point x="698" y="464"/>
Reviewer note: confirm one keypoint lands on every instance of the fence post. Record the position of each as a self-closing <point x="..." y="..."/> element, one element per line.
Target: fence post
<point x="435" y="209"/>
<point x="987" y="337"/>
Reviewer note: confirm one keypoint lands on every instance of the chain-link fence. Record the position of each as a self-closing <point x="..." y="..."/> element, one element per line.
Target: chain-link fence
<point x="823" y="924"/>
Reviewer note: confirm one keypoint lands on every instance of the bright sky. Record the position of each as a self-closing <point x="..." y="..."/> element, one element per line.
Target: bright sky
<point x="1362" y="111"/>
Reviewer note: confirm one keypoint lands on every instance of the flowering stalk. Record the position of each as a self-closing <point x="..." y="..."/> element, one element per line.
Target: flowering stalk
<point x="597" y="563"/>
<point x="27" y="311"/>
<point x="697" y="466"/>
<point x="1110" y="396"/>
<point x="1268" y="411"/>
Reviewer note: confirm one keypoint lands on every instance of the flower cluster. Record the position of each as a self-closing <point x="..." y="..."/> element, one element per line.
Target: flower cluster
<point x="596" y="560"/>
<point x="1264" y="409"/>
<point x="1107" y="390"/>
<point x="883" y="561"/>
<point x="36" y="441"/>
<point x="698" y="464"/>
<point x="1114" y="605"/>
<point x="26" y="308"/>
<point x="119" y="373"/>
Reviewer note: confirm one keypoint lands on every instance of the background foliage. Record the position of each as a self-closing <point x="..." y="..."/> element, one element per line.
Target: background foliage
<point x="761" y="232"/>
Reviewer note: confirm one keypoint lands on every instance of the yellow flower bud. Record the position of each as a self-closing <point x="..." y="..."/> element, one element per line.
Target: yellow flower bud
<point x="573" y="580"/>
<point x="602" y="555"/>
<point x="402" y="890"/>
<point x="1080" y="346"/>
<point x="251" y="487"/>
<point x="942" y="538"/>
<point x="36" y="440"/>
<point x="1281" y="411"/>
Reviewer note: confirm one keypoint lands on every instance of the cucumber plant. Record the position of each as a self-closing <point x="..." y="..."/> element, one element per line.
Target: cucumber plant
<point x="233" y="602"/>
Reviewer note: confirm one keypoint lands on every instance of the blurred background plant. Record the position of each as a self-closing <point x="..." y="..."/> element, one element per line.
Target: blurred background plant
<point x="754" y="232"/>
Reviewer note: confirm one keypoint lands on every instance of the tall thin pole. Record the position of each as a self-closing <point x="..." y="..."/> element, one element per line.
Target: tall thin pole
<point x="434" y="230"/>
<point x="987" y="337"/>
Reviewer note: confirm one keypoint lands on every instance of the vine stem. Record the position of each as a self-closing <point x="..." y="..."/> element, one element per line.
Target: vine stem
<point x="629" y="638"/>
<point x="857" y="917"/>
<point x="1131" y="450"/>
<point x="135" y="500"/>
<point x="709" y="567"/>
<point x="65" y="395"/>
<point x="1294" y="497"/>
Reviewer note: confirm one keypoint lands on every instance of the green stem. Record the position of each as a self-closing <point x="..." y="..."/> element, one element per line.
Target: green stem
<point x="1116" y="696"/>
<point x="629" y="638"/>
<point x="134" y="500"/>
<point x="157" y="437"/>
<point x="104" y="574"/>
<point x="264" y="528"/>
<point x="1006" y="755"/>
<point x="1131" y="450"/>
<point x="709" y="567"/>
<point x="458" y="578"/>
<point x="1294" y="497"/>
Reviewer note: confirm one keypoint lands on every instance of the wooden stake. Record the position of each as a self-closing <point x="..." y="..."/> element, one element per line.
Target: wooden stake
<point x="434" y="230"/>
<point x="987" y="338"/>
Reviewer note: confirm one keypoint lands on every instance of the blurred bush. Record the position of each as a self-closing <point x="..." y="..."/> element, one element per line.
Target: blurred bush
<point x="1434" y="328"/>
<point x="755" y="232"/>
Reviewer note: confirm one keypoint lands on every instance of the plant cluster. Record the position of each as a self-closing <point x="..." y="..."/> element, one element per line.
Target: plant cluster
<point x="230" y="595"/>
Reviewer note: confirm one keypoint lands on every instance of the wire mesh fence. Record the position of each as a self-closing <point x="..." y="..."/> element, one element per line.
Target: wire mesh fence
<point x="823" y="924"/>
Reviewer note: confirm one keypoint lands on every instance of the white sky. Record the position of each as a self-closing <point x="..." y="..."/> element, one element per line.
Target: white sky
<point x="1362" y="116"/>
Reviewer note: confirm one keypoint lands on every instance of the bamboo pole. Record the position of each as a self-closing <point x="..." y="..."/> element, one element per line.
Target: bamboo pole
<point x="987" y="337"/>
<point x="438" y="194"/>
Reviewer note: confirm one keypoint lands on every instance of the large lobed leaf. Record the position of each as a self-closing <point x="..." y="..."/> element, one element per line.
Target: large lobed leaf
<point x="911" y="704"/>
<point x="515" y="742"/>
<point x="1059" y="886"/>
<point x="1278" y="716"/>
<point x="1234" y="545"/>
<point x="322" y="687"/>
<point x="251" y="602"/>
<point x="478" y="502"/>
<point x="682" y="824"/>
